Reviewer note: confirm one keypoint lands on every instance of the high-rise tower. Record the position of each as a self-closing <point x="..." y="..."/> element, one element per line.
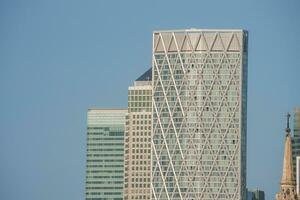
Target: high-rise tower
<point x="199" y="114"/>
<point x="105" y="154"/>
<point x="137" y="177"/>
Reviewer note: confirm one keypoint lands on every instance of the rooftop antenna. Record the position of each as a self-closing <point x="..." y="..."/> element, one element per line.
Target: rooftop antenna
<point x="288" y="123"/>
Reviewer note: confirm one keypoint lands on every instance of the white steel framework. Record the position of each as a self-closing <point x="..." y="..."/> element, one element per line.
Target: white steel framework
<point x="199" y="114"/>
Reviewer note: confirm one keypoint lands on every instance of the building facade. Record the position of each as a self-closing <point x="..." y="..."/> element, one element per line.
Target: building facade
<point x="105" y="154"/>
<point x="199" y="114"/>
<point x="137" y="178"/>
<point x="296" y="138"/>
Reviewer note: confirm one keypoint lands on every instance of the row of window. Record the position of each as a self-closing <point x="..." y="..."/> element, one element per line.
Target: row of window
<point x="138" y="196"/>
<point x="104" y="171"/>
<point x="141" y="116"/>
<point x="105" y="155"/>
<point x="104" y="160"/>
<point x="140" y="151"/>
<point x="197" y="55"/>
<point x="106" y="165"/>
<point x="106" y="144"/>
<point x="145" y="131"/>
<point x="144" y="163"/>
<point x="137" y="139"/>
<point x="139" y="98"/>
<point x="142" y="156"/>
<point x="104" y="149"/>
<point x="104" y="138"/>
<point x="141" y="122"/>
<point x="139" y="109"/>
<point x="139" y="92"/>
<point x="104" y="182"/>
<point x="103" y="177"/>
<point x="138" y="145"/>
<point x="118" y="142"/>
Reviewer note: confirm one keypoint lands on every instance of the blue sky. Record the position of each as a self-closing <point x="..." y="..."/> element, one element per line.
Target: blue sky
<point x="59" y="58"/>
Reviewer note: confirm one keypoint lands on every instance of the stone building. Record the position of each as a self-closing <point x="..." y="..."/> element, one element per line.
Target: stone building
<point x="288" y="182"/>
<point x="137" y="163"/>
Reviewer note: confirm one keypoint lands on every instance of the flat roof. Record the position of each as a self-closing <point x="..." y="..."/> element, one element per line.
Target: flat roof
<point x="107" y="109"/>
<point x="200" y="30"/>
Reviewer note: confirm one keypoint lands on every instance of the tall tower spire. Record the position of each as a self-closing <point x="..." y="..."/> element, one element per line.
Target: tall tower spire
<point x="288" y="130"/>
<point x="287" y="173"/>
<point x="288" y="183"/>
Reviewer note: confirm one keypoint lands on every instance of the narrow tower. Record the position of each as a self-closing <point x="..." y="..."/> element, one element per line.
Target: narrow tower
<point x="137" y="177"/>
<point x="288" y="183"/>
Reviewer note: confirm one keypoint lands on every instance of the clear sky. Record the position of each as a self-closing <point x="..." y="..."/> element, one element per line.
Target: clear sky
<point x="60" y="57"/>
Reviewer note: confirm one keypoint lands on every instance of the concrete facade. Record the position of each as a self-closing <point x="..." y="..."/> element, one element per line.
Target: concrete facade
<point x="137" y="179"/>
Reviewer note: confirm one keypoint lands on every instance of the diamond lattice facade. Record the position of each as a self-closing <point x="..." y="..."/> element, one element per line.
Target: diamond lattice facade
<point x="137" y="177"/>
<point x="105" y="154"/>
<point x="199" y="114"/>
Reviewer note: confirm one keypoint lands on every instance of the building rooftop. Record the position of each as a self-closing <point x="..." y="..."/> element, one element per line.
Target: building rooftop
<point x="93" y="109"/>
<point x="200" y="30"/>
<point x="147" y="76"/>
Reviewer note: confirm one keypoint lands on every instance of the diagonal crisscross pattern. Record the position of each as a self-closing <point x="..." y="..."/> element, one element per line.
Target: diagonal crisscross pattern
<point x="199" y="115"/>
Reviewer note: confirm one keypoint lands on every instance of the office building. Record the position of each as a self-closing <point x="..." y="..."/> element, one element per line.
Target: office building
<point x="296" y="138"/>
<point x="137" y="177"/>
<point x="255" y="194"/>
<point x="105" y="154"/>
<point x="199" y="114"/>
<point x="288" y="183"/>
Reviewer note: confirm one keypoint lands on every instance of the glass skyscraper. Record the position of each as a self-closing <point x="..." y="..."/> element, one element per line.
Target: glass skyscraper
<point x="199" y="114"/>
<point x="105" y="154"/>
<point x="137" y="177"/>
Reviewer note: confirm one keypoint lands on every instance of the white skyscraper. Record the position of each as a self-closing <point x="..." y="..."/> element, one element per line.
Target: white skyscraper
<point x="199" y="114"/>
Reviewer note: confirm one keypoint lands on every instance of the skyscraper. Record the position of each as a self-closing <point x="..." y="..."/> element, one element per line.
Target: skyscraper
<point x="199" y="114"/>
<point x="296" y="138"/>
<point x="137" y="177"/>
<point x="105" y="154"/>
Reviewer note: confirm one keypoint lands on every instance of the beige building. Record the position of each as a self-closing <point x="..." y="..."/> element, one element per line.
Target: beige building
<point x="137" y="177"/>
<point x="288" y="182"/>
